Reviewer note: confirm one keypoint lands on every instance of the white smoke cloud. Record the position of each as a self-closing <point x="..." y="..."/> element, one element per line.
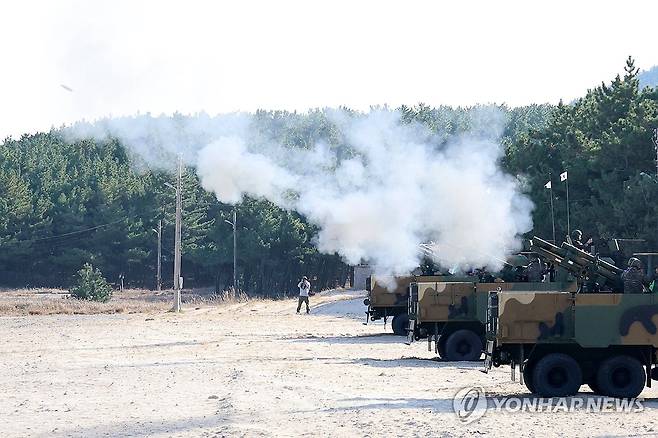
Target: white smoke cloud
<point x="395" y="187"/>
<point x="229" y="170"/>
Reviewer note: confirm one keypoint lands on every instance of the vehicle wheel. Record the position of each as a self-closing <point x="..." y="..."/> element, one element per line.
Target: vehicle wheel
<point x="556" y="375"/>
<point x="463" y="345"/>
<point x="621" y="376"/>
<point x="400" y="324"/>
<point x="394" y="323"/>
<point x="527" y="378"/>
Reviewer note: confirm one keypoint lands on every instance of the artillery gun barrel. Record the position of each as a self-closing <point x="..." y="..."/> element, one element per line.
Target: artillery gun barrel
<point x="592" y="263"/>
<point x="574" y="260"/>
<point x="591" y="258"/>
<point x="547" y="250"/>
<point x="553" y="254"/>
<point x="558" y="260"/>
<point x="536" y="242"/>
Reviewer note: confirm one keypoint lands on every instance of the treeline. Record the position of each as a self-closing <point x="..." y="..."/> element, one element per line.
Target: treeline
<point x="604" y="143"/>
<point x="65" y="203"/>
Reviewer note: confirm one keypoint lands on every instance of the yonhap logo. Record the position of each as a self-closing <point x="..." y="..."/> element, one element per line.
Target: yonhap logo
<point x="470" y="404"/>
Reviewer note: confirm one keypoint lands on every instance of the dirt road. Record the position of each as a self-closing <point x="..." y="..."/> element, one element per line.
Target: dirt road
<point x="254" y="369"/>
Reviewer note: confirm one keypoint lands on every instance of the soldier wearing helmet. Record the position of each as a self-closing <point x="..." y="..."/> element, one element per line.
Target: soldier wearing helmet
<point x="633" y="277"/>
<point x="577" y="240"/>
<point x="535" y="269"/>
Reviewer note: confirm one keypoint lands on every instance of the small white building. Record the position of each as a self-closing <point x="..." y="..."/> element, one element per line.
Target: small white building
<point x="361" y="273"/>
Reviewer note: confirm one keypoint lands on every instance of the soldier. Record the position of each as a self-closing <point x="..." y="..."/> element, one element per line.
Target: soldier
<point x="483" y="275"/>
<point x="535" y="270"/>
<point x="511" y="274"/>
<point x="577" y="240"/>
<point x="304" y="287"/>
<point x="600" y="246"/>
<point x="550" y="272"/>
<point x="633" y="277"/>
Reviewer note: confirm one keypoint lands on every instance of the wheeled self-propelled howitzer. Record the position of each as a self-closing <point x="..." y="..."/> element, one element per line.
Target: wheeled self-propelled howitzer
<point x="385" y="301"/>
<point x="388" y="296"/>
<point x="451" y="314"/>
<point x="558" y="341"/>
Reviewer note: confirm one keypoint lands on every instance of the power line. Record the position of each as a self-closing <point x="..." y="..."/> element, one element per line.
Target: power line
<point x="59" y="236"/>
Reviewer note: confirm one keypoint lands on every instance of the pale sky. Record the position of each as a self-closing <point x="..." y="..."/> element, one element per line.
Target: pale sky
<point x="121" y="57"/>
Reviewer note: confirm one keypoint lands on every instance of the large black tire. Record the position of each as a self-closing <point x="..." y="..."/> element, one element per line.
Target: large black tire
<point x="621" y="376"/>
<point x="463" y="345"/>
<point x="400" y="324"/>
<point x="394" y="323"/>
<point x="527" y="378"/>
<point x="556" y="375"/>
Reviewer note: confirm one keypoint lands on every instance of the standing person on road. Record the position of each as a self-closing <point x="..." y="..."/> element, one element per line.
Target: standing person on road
<point x="304" y="287"/>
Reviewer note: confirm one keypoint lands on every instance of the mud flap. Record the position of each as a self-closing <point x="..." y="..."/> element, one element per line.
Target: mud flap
<point x="488" y="356"/>
<point x="521" y="369"/>
<point x="647" y="366"/>
<point x="654" y="373"/>
<point x="410" y="331"/>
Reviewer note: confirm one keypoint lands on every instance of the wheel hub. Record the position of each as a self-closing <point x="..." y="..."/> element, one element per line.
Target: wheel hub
<point x="621" y="377"/>
<point x="464" y="348"/>
<point x="557" y="377"/>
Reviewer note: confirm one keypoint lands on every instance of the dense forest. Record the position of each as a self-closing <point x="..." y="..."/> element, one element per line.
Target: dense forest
<point x="64" y="203"/>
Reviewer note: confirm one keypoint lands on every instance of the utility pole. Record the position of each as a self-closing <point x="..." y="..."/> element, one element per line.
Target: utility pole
<point x="549" y="185"/>
<point x="655" y="142"/>
<point x="564" y="176"/>
<point x="159" y="279"/>
<point x="177" y="245"/>
<point x="235" y="248"/>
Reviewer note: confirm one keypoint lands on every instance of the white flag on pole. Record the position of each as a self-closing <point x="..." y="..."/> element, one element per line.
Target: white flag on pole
<point x="563" y="176"/>
<point x="548" y="185"/>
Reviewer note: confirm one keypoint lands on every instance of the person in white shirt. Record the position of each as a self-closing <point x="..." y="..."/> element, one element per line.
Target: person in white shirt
<point x="304" y="288"/>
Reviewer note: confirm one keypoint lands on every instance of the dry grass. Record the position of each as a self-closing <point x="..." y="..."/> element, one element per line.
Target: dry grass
<point x="18" y="302"/>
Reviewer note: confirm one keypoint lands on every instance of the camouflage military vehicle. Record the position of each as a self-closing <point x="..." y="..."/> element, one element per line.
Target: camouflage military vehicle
<point x="385" y="303"/>
<point x="562" y="340"/>
<point x="452" y="315"/>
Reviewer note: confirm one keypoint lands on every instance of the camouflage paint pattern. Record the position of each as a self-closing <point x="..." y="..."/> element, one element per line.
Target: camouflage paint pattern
<point x="529" y="317"/>
<point x="467" y="301"/>
<point x="446" y="301"/>
<point x="616" y="319"/>
<point x="380" y="296"/>
<point x="483" y="290"/>
<point x="589" y="320"/>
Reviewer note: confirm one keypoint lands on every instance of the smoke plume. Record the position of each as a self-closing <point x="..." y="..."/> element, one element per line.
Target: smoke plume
<point x="376" y="196"/>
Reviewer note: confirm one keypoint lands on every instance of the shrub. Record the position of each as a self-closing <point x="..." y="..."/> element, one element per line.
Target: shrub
<point x="91" y="285"/>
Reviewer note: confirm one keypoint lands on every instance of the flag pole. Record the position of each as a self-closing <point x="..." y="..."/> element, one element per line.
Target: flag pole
<point x="568" y="221"/>
<point x="552" y="212"/>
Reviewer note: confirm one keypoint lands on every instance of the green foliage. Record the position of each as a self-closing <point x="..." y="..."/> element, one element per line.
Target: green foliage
<point x="91" y="285"/>
<point x="604" y="142"/>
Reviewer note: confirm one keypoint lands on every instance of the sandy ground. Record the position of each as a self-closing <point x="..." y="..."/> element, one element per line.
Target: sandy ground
<point x="254" y="369"/>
